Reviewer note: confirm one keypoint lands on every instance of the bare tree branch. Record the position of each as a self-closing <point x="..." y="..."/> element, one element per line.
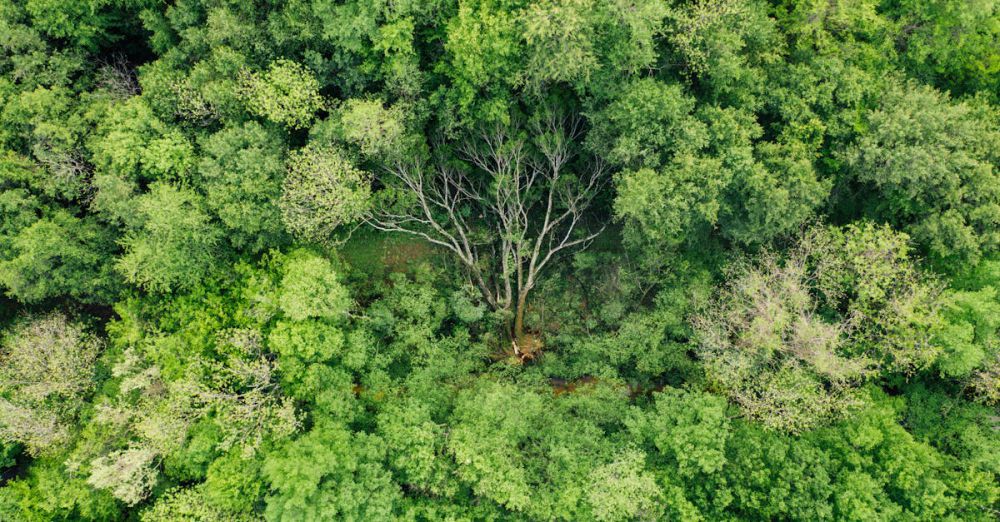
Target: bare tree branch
<point x="519" y="205"/>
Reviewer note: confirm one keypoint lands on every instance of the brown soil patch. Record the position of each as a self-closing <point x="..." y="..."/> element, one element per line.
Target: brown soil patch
<point x="397" y="256"/>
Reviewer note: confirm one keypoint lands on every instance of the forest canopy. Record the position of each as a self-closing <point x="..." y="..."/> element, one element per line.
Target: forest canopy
<point x="421" y="260"/>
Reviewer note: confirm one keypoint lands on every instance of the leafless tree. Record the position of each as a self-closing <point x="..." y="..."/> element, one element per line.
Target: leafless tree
<point x="519" y="207"/>
<point x="117" y="77"/>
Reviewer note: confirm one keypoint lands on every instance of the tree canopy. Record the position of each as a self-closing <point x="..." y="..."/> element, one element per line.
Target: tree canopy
<point x="554" y="260"/>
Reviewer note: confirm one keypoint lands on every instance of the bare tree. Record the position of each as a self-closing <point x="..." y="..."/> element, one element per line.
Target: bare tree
<point x="520" y="208"/>
<point x="117" y="77"/>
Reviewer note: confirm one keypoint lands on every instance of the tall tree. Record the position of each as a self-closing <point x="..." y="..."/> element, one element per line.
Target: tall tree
<point x="521" y="205"/>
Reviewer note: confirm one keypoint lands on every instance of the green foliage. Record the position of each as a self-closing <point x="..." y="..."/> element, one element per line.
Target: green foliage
<point x="84" y="23"/>
<point x="869" y="274"/>
<point x="329" y="474"/>
<point x="241" y="173"/>
<point x="322" y="192"/>
<point x="189" y="505"/>
<point x="376" y="130"/>
<point x="59" y="255"/>
<point x="175" y="243"/>
<point x="970" y="335"/>
<point x="951" y="44"/>
<point x="233" y="483"/>
<point x="286" y="93"/>
<point x="852" y="28"/>
<point x="483" y="45"/>
<point x="133" y="144"/>
<point x="417" y="451"/>
<point x="791" y="310"/>
<point x="310" y="288"/>
<point x="689" y="429"/>
<point x="46" y="492"/>
<point x="648" y="123"/>
<point x="958" y="429"/>
<point x="624" y="490"/>
<point x="559" y="38"/>
<point x="931" y="164"/>
<point x="485" y="441"/>
<point x="540" y="457"/>
<point x="693" y="172"/>
<point x="30" y="56"/>
<point x="775" y="476"/>
<point x="725" y="45"/>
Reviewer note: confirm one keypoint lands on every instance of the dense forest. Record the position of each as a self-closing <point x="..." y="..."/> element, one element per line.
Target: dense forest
<point x="462" y="260"/>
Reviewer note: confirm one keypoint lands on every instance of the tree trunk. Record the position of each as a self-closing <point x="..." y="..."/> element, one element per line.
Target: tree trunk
<point x="522" y="299"/>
